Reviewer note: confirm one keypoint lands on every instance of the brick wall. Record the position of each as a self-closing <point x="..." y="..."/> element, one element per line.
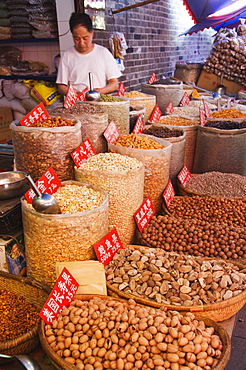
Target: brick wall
<point x="152" y="35"/>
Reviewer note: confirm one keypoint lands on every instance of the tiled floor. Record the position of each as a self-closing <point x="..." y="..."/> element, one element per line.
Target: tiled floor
<point x="238" y="353"/>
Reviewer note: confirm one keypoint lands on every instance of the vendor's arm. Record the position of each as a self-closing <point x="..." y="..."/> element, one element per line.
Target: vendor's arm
<point x="63" y="89"/>
<point x="111" y="86"/>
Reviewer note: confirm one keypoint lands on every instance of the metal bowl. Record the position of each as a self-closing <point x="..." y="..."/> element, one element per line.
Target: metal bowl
<point x="12" y="184"/>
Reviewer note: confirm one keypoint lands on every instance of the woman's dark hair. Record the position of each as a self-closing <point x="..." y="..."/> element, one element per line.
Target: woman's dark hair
<point x="80" y="19"/>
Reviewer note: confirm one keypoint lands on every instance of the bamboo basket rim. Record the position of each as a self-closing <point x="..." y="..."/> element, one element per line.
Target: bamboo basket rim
<point x="33" y="331"/>
<point x="241" y="297"/>
<point x="57" y="360"/>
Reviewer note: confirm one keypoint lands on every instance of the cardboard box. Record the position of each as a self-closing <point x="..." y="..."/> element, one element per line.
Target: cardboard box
<point x="6" y="117"/>
<point x="12" y="254"/>
<point x="210" y="81"/>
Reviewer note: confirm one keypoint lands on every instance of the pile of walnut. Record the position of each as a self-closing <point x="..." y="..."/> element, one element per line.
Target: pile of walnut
<point x="172" y="278"/>
<point x="110" y="334"/>
<point x="228" y="56"/>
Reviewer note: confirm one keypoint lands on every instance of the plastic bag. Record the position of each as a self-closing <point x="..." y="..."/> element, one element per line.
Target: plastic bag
<point x="42" y="93"/>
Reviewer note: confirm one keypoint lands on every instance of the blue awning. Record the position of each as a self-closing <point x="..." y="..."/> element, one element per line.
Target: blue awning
<point x="218" y="21"/>
<point x="200" y="9"/>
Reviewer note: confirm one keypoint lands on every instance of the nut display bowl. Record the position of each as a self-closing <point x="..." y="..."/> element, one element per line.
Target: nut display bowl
<point x="60" y="363"/>
<point x="12" y="184"/>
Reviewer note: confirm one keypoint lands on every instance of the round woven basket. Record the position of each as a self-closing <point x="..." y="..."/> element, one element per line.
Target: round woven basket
<point x="59" y="363"/>
<point x="34" y="293"/>
<point x="218" y="311"/>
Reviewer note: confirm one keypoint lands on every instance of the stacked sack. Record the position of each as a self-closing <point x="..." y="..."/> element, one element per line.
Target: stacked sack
<point x="228" y="55"/>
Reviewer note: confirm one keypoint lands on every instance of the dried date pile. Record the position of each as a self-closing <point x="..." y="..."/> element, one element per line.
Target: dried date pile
<point x="218" y="184"/>
<point x="195" y="237"/>
<point x="210" y="209"/>
<point x="163" y="132"/>
<point x="173" y="278"/>
<point x="16" y="315"/>
<point x="226" y="125"/>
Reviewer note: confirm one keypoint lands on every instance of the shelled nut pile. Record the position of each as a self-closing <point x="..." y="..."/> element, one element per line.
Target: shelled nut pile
<point x="110" y="334"/>
<point x="195" y="237"/>
<point x="171" y="278"/>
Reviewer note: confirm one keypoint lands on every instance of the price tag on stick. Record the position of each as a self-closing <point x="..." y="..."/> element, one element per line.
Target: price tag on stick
<point x="111" y="133"/>
<point x="60" y="297"/>
<point x="152" y="78"/>
<point x="202" y="117"/>
<point x="83" y="152"/>
<point x="206" y="108"/>
<point x="139" y="125"/>
<point x="168" y="193"/>
<point x="144" y="214"/>
<point x="169" y="108"/>
<point x="121" y="90"/>
<point x="47" y="183"/>
<point x="71" y="97"/>
<point x="106" y="248"/>
<point x="36" y="114"/>
<point x="185" y="100"/>
<point x="184" y="175"/>
<point x="156" y="114"/>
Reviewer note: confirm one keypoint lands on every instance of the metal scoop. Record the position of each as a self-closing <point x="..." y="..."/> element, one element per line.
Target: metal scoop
<point x="27" y="361"/>
<point x="221" y="89"/>
<point x="43" y="203"/>
<point x="92" y="95"/>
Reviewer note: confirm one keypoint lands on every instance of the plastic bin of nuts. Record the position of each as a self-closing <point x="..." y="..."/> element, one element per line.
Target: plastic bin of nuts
<point x="68" y="236"/>
<point x="130" y="336"/>
<point x="155" y="153"/>
<point x="49" y="144"/>
<point x="122" y="178"/>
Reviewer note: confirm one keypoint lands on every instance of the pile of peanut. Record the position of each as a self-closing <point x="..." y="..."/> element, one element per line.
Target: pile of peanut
<point x="109" y="334"/>
<point x="53" y="122"/>
<point x="16" y="315"/>
<point x="173" y="278"/>
<point x="138" y="142"/>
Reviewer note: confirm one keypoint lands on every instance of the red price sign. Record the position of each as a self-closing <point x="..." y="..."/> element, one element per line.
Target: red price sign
<point x="152" y="78"/>
<point x="206" y="109"/>
<point x="139" y="125"/>
<point x="106" y="248"/>
<point x="168" y="193"/>
<point x="202" y="117"/>
<point x="71" y="97"/>
<point x="144" y="214"/>
<point x="156" y="114"/>
<point x="60" y="297"/>
<point x="184" y="175"/>
<point x="47" y="183"/>
<point x="81" y="95"/>
<point x="111" y="133"/>
<point x="83" y="152"/>
<point x="121" y="90"/>
<point x="36" y="114"/>
<point x="185" y="100"/>
<point x="218" y="106"/>
<point x="169" y="108"/>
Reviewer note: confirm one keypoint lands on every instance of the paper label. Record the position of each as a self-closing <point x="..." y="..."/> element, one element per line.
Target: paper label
<point x="71" y="97"/>
<point x="83" y="152"/>
<point x="60" y="297"/>
<point x="206" y="108"/>
<point x="139" y="125"/>
<point x="152" y="78"/>
<point x="202" y="117"/>
<point x="121" y="90"/>
<point x="184" y="175"/>
<point x="156" y="114"/>
<point x="81" y="95"/>
<point x="218" y="106"/>
<point x="106" y="248"/>
<point x="111" y="133"/>
<point x="36" y="114"/>
<point x="48" y="183"/>
<point x="169" y="108"/>
<point x="168" y="193"/>
<point x="144" y="214"/>
<point x="185" y="100"/>
<point x="228" y="103"/>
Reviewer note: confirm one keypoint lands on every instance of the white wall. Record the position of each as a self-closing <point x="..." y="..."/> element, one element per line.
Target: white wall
<point x="64" y="10"/>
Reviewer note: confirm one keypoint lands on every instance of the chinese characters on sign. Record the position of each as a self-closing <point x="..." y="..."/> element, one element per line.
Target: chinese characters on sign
<point x="60" y="297"/>
<point x="36" y="114"/>
<point x="184" y="175"/>
<point x="144" y="214"/>
<point x="106" y="248"/>
<point x="202" y="117"/>
<point x="169" y="108"/>
<point x="152" y="78"/>
<point x="206" y="108"/>
<point x="156" y="114"/>
<point x="139" y="125"/>
<point x="168" y="193"/>
<point x="121" y="90"/>
<point x="71" y="97"/>
<point x="185" y="100"/>
<point x="83" y="152"/>
<point x="111" y="133"/>
<point x="47" y="183"/>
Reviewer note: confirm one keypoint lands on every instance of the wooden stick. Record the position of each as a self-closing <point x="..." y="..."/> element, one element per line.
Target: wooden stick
<point x="133" y="6"/>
